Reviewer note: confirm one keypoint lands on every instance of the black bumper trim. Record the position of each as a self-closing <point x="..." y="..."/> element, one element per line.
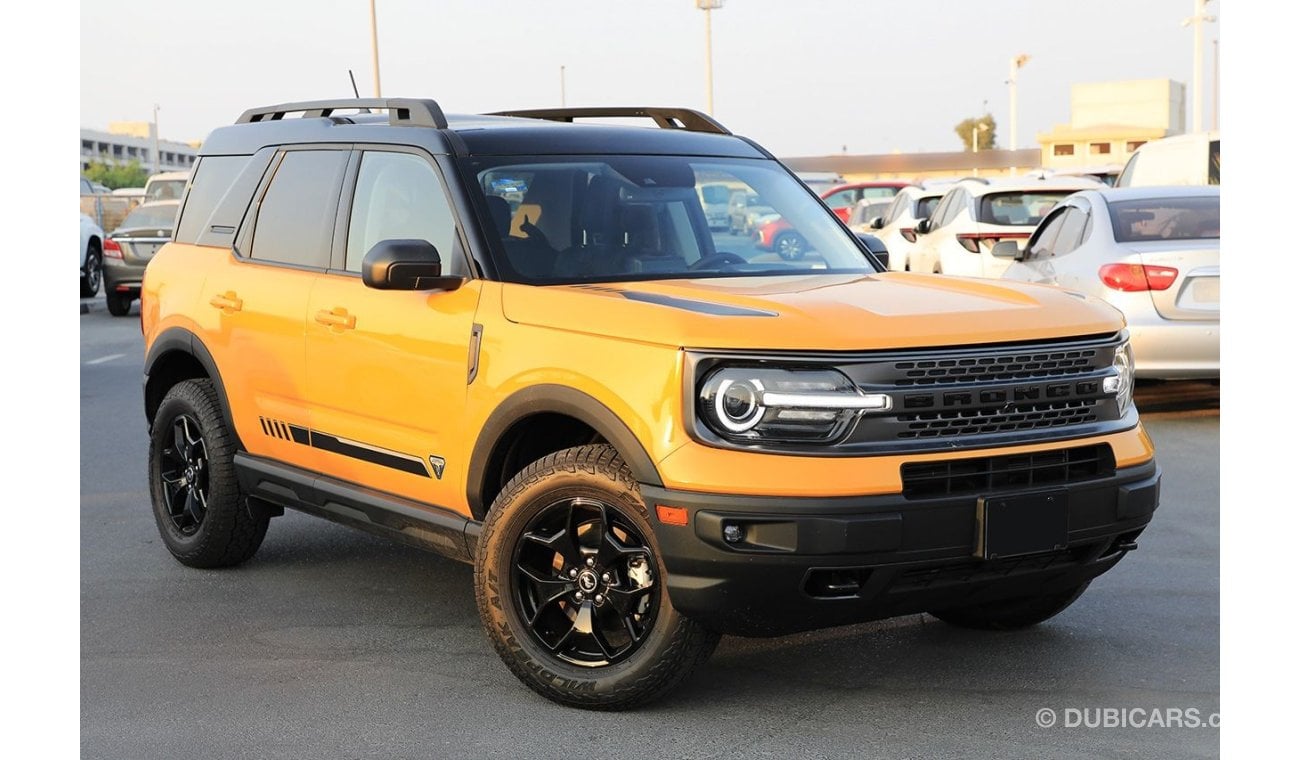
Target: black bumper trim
<point x="770" y="581"/>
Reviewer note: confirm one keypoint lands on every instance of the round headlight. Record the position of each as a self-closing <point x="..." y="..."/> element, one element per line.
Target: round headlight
<point x="736" y="404"/>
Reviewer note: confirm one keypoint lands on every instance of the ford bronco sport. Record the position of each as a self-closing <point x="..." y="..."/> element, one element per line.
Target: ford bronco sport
<point x="514" y="340"/>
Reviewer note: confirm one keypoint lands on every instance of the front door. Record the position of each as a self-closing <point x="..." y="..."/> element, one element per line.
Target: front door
<point x="387" y="370"/>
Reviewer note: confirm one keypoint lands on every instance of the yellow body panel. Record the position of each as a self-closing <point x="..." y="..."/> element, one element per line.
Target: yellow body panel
<point x="396" y="379"/>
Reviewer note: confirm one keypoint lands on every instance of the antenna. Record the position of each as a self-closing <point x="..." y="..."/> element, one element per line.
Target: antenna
<point x="355" y="91"/>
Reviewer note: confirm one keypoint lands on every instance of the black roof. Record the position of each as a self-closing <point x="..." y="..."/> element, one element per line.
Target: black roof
<point x="476" y="134"/>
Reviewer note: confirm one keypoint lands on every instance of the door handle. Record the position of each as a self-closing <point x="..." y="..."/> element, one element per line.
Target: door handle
<point x="227" y="302"/>
<point x="337" y="318"/>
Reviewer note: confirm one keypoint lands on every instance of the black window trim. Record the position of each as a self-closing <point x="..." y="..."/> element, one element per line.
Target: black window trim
<point x="244" y="237"/>
<point x="347" y="193"/>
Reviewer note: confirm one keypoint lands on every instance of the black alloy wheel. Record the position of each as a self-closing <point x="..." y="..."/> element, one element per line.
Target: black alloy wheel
<point x="184" y="474"/>
<point x="584" y="584"/>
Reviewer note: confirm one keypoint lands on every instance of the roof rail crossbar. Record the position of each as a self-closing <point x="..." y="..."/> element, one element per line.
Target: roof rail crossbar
<point x="666" y="118"/>
<point x="402" y="112"/>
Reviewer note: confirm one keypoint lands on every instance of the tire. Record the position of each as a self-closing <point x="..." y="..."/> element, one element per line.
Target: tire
<point x="119" y="304"/>
<point x="789" y="246"/>
<point x="589" y="492"/>
<point x="94" y="271"/>
<point x="201" y="511"/>
<point x="1011" y="614"/>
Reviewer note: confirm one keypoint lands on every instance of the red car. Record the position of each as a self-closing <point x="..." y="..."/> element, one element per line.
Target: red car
<point x="777" y="235"/>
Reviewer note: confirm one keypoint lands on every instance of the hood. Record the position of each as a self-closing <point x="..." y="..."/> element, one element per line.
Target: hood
<point x="813" y="312"/>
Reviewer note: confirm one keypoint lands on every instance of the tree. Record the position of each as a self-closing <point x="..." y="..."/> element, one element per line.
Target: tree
<point x="114" y="176"/>
<point x="987" y="138"/>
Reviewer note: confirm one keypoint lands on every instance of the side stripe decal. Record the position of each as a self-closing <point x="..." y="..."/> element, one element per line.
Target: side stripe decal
<point x="355" y="449"/>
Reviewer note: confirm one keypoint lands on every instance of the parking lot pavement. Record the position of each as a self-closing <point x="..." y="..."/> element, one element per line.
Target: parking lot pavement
<point x="334" y="643"/>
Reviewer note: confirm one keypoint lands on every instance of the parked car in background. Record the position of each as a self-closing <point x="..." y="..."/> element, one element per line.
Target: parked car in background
<point x="973" y="216"/>
<point x="1152" y="253"/>
<point x="776" y="234"/>
<point x="129" y="249"/>
<point x="90" y="187"/>
<point x="745" y="210"/>
<point x="843" y="198"/>
<point x="92" y="256"/>
<point x="820" y="182"/>
<point x="1179" y="160"/>
<point x="896" y="227"/>
<point x="865" y="211"/>
<point x="714" y="199"/>
<point x="132" y="193"/>
<point x="165" y="186"/>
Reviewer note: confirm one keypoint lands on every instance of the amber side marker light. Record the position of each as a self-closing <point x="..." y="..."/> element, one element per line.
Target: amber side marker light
<point x="671" y="515"/>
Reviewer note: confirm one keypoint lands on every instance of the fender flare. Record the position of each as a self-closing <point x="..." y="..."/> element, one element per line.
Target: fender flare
<point x="556" y="399"/>
<point x="175" y="340"/>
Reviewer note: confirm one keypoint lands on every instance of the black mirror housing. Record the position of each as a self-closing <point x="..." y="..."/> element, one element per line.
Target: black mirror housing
<point x="922" y="226"/>
<point x="876" y="222"/>
<point x="406" y="265"/>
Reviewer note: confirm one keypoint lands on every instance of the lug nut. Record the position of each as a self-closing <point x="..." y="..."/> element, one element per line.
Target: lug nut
<point x="599" y="598"/>
<point x="578" y="596"/>
<point x="604" y="577"/>
<point x="590" y="562"/>
<point x="573" y="572"/>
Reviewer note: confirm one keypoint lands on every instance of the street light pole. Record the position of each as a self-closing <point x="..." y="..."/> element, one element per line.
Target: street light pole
<point x="1214" y="91"/>
<point x="708" y="7"/>
<point x="563" y="103"/>
<point x="374" y="47"/>
<point x="157" y="157"/>
<point x="1016" y="64"/>
<point x="1197" y="21"/>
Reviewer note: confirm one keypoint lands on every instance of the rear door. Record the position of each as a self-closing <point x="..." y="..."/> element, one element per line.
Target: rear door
<point x="255" y="300"/>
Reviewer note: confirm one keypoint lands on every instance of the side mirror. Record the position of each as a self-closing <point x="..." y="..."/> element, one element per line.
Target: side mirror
<point x="876" y="222"/>
<point x="1006" y="249"/>
<point x="922" y="226"/>
<point x="406" y="265"/>
<point x="876" y="246"/>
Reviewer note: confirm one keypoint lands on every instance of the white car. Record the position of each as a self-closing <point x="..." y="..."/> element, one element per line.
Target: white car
<point x="165" y="186"/>
<point x="1152" y="253"/>
<point x="1179" y="160"/>
<point x="896" y="228"/>
<point x="974" y="215"/>
<point x="91" y="261"/>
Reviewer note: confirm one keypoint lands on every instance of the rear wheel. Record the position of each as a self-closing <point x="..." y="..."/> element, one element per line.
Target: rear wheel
<point x="119" y="304"/>
<point x="201" y="511"/>
<point x="570" y="586"/>
<point x="789" y="246"/>
<point x="93" y="272"/>
<point x="1011" y="614"/>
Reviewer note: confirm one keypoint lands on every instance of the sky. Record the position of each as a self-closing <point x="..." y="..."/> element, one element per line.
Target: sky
<point x="802" y="77"/>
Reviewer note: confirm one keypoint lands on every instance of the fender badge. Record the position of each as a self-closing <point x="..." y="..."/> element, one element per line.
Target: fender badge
<point x="439" y="464"/>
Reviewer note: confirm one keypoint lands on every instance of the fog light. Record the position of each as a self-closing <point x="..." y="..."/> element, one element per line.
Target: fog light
<point x="732" y="533"/>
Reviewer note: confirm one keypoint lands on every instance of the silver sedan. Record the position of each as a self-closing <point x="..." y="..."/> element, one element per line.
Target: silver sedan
<point x="1151" y="252"/>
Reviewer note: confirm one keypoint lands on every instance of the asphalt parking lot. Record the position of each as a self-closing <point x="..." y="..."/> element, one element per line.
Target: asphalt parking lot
<point x="334" y="643"/>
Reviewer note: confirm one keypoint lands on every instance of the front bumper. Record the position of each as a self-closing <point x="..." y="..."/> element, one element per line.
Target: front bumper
<point x="821" y="562"/>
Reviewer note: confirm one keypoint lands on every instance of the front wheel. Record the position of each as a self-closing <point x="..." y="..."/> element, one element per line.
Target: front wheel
<point x="570" y="586"/>
<point x="119" y="304"/>
<point x="789" y="246"/>
<point x="1010" y="614"/>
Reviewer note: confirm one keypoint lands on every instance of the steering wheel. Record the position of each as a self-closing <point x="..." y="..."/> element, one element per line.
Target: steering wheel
<point x="721" y="258"/>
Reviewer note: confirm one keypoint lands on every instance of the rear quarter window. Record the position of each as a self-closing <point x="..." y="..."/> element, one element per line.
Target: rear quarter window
<point x="212" y="178"/>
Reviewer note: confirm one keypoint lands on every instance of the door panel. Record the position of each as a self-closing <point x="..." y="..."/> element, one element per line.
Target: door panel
<point x="387" y="385"/>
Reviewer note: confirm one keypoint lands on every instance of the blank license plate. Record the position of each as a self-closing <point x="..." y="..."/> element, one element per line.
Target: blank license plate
<point x="1205" y="290"/>
<point x="1013" y="525"/>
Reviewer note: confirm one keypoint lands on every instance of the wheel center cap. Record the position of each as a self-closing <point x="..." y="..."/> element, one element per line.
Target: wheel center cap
<point x="587" y="581"/>
<point x="189" y="473"/>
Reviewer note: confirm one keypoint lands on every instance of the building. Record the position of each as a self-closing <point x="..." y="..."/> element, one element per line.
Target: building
<point x="1111" y="120"/>
<point x="129" y="141"/>
<point x="916" y="166"/>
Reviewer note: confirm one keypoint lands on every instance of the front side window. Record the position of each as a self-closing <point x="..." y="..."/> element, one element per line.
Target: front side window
<point x="399" y="197"/>
<point x="1043" y="241"/>
<point x="295" y="219"/>
<point x="570" y="219"/>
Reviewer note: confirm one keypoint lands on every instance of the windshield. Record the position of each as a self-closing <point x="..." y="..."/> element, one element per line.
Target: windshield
<point x="162" y="217"/>
<point x="569" y="219"/>
<point x="1019" y="209"/>
<point x="1165" y="219"/>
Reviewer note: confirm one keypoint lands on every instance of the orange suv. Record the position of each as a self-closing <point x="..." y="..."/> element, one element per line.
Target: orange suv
<point x="515" y="340"/>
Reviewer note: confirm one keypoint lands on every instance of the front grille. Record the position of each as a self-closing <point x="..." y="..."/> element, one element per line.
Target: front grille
<point x="995" y="367"/>
<point x="975" y="421"/>
<point x="983" y="475"/>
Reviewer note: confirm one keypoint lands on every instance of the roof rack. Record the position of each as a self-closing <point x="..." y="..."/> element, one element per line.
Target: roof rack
<point x="666" y="118"/>
<point x="402" y="112"/>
